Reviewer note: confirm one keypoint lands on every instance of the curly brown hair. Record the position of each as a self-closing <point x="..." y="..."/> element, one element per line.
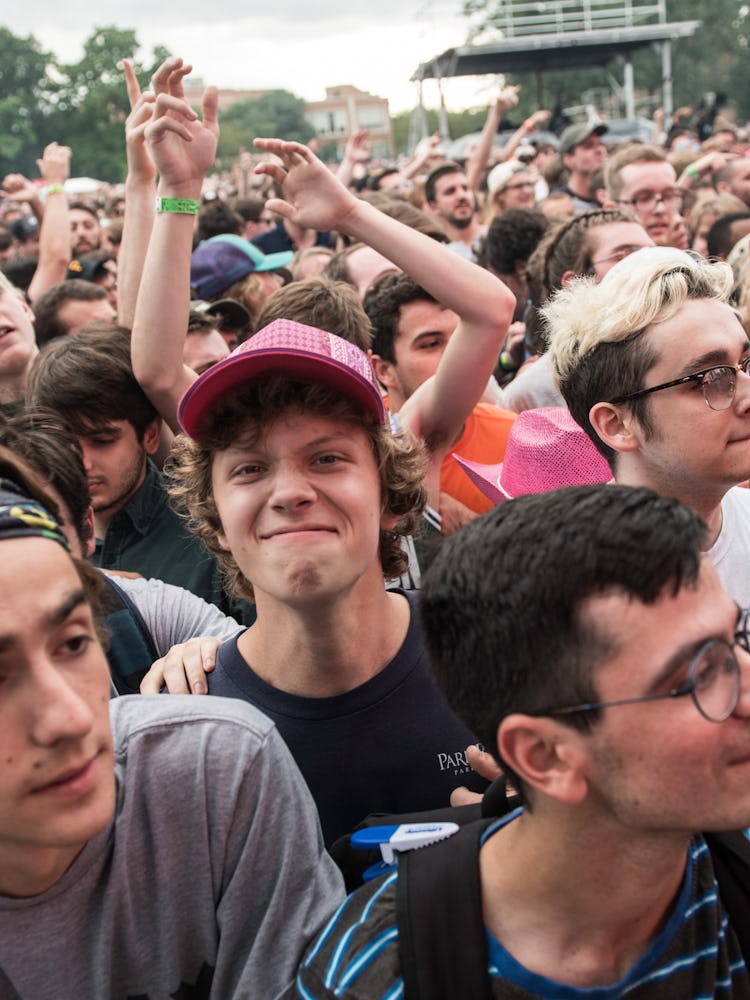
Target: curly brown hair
<point x="401" y="463"/>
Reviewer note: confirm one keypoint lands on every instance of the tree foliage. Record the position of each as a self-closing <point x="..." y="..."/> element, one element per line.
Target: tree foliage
<point x="82" y="104"/>
<point x="275" y="113"/>
<point x="26" y="95"/>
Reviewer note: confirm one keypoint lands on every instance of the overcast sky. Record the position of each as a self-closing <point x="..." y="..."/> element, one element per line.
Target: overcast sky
<point x="300" y="45"/>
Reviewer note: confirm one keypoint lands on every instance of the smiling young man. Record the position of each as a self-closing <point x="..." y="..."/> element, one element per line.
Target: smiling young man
<point x="652" y="364"/>
<point x="294" y="481"/>
<point x="625" y="723"/>
<point x="146" y="845"/>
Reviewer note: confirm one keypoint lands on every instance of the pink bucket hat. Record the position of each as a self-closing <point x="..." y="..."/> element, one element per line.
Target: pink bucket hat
<point x="301" y="353"/>
<point x="546" y="449"/>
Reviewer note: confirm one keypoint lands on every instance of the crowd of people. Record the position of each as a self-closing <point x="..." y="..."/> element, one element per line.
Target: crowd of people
<point x="430" y="476"/>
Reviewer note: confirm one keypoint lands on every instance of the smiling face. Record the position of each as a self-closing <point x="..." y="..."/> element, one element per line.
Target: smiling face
<point x="661" y="766"/>
<point x="57" y="785"/>
<point x="300" y="508"/>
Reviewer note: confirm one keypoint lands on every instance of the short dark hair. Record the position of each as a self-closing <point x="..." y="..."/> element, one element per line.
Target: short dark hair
<point x="53" y="452"/>
<point x="249" y="209"/>
<point x="719" y="241"/>
<point x="501" y="641"/>
<point x="88" y="380"/>
<point x="215" y="218"/>
<point x="383" y="303"/>
<point x="84" y="206"/>
<point x="47" y="323"/>
<point x="512" y="236"/>
<point x="450" y="167"/>
<point x="329" y="305"/>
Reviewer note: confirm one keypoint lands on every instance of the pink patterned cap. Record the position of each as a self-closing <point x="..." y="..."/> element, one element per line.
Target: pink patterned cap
<point x="284" y="347"/>
<point x="546" y="450"/>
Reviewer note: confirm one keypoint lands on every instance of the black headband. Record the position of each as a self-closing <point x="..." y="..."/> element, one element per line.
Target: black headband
<point x="21" y="517"/>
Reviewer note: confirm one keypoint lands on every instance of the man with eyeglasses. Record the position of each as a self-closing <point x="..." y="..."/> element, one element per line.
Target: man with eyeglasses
<point x="652" y="363"/>
<point x="618" y="700"/>
<point x="642" y="182"/>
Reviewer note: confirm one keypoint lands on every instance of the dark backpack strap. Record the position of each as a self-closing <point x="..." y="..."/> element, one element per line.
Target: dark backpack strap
<point x="442" y="941"/>
<point x="730" y="854"/>
<point x="131" y="649"/>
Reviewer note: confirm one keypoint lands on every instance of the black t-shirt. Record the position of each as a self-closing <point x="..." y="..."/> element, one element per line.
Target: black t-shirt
<point x="390" y="745"/>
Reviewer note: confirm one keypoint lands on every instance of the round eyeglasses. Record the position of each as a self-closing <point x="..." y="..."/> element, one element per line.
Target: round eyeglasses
<point x="713" y="682"/>
<point x="646" y="201"/>
<point x="718" y="384"/>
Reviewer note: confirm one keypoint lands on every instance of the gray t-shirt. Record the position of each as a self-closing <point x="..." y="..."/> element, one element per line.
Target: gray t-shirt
<point x="209" y="881"/>
<point x="173" y="614"/>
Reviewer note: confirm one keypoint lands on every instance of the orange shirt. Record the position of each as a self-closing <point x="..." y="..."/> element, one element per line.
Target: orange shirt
<point x="484" y="440"/>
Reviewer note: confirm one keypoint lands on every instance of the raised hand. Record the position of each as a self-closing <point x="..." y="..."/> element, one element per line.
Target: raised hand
<point x="313" y="197"/>
<point x="54" y="166"/>
<point x="181" y="144"/>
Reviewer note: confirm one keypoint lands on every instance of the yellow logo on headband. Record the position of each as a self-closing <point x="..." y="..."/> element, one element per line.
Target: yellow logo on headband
<point x="34" y="517"/>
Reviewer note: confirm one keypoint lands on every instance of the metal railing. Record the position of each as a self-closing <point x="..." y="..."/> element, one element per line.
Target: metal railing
<point x="544" y="17"/>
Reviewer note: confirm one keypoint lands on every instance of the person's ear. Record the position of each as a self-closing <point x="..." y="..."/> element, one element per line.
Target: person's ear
<point x="152" y="436"/>
<point x="615" y="426"/>
<point x="567" y="278"/>
<point x="546" y="755"/>
<point x="384" y="372"/>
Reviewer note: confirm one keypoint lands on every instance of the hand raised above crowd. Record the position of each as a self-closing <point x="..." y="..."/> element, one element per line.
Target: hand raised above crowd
<point x="313" y="197"/>
<point x="180" y="142"/>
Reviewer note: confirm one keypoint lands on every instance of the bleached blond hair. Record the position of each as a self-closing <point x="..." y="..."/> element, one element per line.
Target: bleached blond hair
<point x="594" y="330"/>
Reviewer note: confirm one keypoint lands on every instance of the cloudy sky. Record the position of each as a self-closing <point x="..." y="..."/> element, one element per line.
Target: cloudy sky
<point x="300" y="45"/>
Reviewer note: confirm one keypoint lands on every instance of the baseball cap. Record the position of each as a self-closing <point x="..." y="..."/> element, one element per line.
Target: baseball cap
<point x="299" y="352"/>
<point x="574" y="135"/>
<point x="230" y="314"/>
<point x="219" y="262"/>
<point x="499" y="177"/>
<point x="87" y="270"/>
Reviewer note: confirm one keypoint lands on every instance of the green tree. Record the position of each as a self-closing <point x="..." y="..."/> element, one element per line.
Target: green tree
<point x="92" y="101"/>
<point x="276" y="113"/>
<point x="26" y="96"/>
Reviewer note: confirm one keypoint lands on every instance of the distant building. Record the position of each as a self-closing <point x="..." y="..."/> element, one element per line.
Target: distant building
<point x="346" y="109"/>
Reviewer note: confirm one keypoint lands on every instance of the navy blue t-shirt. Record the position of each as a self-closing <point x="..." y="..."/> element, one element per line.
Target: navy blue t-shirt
<point x="390" y="745"/>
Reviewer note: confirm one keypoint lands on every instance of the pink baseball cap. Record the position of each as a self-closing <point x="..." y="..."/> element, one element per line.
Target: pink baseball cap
<point x="284" y="347"/>
<point x="546" y="450"/>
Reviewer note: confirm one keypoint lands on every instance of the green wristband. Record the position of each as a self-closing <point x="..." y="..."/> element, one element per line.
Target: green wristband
<point x="506" y="363"/>
<point x="692" y="171"/>
<point x="178" y="206"/>
<point x="54" y="189"/>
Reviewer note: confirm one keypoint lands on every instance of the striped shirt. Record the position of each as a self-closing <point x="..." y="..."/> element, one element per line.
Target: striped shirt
<point x="695" y="957"/>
